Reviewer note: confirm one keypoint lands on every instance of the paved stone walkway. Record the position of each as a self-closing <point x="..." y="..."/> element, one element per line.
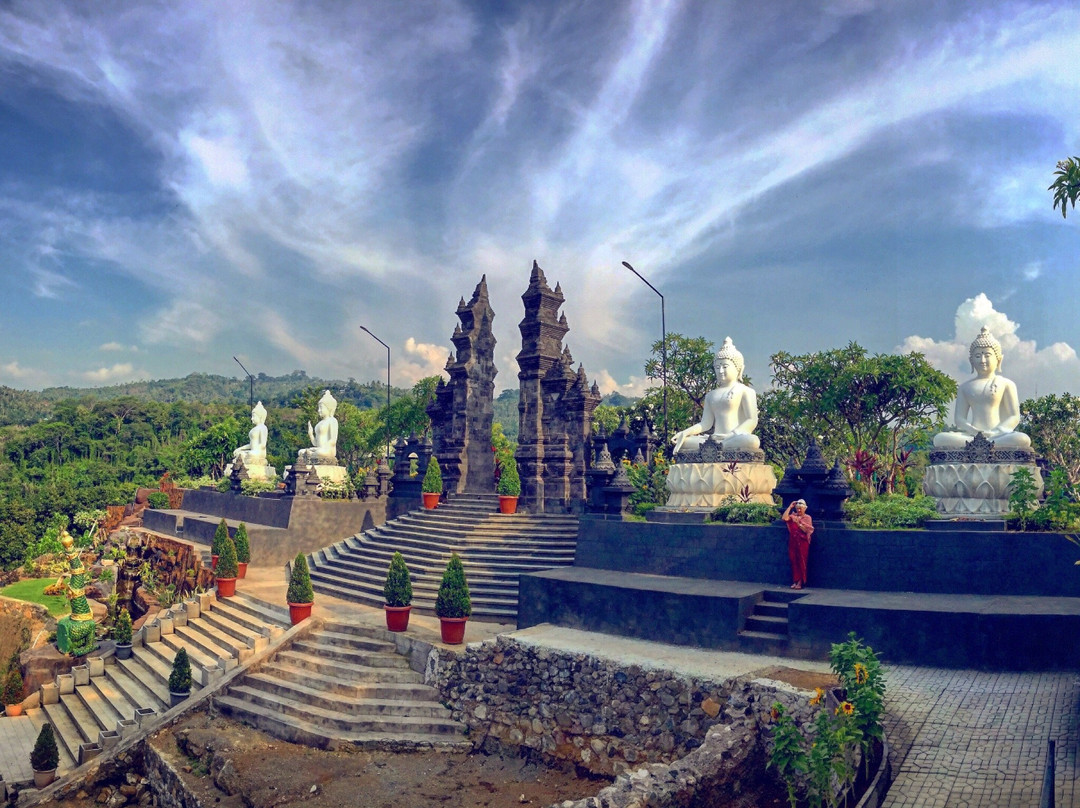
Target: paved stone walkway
<point x="965" y="738"/>
<point x="17" y="736"/>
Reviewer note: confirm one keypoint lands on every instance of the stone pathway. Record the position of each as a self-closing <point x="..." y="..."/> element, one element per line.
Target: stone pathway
<point x="965" y="738"/>
<point x="17" y="736"/>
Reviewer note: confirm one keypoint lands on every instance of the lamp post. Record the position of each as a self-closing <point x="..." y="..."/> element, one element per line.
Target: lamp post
<point x="251" y="383"/>
<point x="365" y="328"/>
<point x="663" y="345"/>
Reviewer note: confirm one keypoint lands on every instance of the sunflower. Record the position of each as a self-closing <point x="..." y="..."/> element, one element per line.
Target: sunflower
<point x="846" y="707"/>
<point x="861" y="674"/>
<point x="819" y="694"/>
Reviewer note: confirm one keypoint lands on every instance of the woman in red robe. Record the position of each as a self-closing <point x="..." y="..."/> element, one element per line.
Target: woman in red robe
<point x="800" y="527"/>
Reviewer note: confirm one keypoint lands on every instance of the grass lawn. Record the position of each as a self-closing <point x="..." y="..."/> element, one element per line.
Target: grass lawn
<point x="32" y="590"/>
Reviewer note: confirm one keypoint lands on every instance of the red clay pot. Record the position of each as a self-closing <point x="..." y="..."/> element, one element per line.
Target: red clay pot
<point x="397" y="617"/>
<point x="299" y="612"/>
<point x="213" y="562"/>
<point x="226" y="587"/>
<point x="431" y="501"/>
<point x="453" y="629"/>
<point x="241" y="569"/>
<point x="507" y="504"/>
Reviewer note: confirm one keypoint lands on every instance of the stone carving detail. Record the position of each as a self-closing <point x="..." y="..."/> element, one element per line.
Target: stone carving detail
<point x="555" y="408"/>
<point x="712" y="451"/>
<point x="974" y="489"/>
<point x="981" y="450"/>
<point x="463" y="409"/>
<point x="824" y="489"/>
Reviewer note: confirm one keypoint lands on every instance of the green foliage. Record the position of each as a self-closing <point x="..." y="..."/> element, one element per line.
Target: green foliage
<point x="650" y="484"/>
<point x="453" y="599"/>
<point x="180" y="676"/>
<point x="1023" y="496"/>
<point x="243" y="546"/>
<point x="831" y="756"/>
<point x="890" y="511"/>
<point x="157" y="500"/>
<point x="221" y="533"/>
<point x="1066" y="185"/>
<point x="398" y="588"/>
<point x="509" y="481"/>
<point x="606" y="416"/>
<point x="226" y="563"/>
<point x="860" y="673"/>
<point x="300" y="590"/>
<point x="788" y="756"/>
<point x="250" y="488"/>
<point x="690" y="376"/>
<point x="45" y="756"/>
<point x="121" y="632"/>
<point x="12" y="692"/>
<point x="433" y="482"/>
<point x="33" y="591"/>
<point x="332" y="490"/>
<point x="745" y="513"/>
<point x="1053" y="422"/>
<point x="506" y="414"/>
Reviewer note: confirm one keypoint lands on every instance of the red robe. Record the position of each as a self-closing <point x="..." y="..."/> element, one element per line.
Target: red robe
<point x="800" y="528"/>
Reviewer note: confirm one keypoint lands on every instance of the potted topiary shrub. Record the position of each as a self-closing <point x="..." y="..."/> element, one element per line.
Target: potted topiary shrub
<point x="122" y="635"/>
<point x="300" y="596"/>
<point x="398" y="594"/>
<point x="432" y="483"/>
<point x="226" y="569"/>
<point x="509" y="487"/>
<point x="220" y="533"/>
<point x="45" y="757"/>
<point x="180" y="678"/>
<point x="12" y="692"/>
<point x="453" y="605"/>
<point x="243" y="550"/>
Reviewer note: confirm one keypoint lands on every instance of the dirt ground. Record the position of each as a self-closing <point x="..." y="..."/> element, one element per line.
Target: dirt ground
<point x="807" y="680"/>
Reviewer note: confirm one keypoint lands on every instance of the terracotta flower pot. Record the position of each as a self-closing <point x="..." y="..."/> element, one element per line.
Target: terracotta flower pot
<point x="13" y="710"/>
<point x="507" y="504"/>
<point x="299" y="612"/>
<point x="241" y="569"/>
<point x="226" y="587"/>
<point x="431" y="501"/>
<point x="213" y="561"/>
<point x="397" y="617"/>
<point x="42" y="779"/>
<point x="453" y="629"/>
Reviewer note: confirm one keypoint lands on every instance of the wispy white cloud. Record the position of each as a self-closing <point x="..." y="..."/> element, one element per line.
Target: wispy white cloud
<point x="184" y="322"/>
<point x="421" y="359"/>
<point x="120" y="372"/>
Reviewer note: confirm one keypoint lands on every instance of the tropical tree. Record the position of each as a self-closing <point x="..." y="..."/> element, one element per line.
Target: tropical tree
<point x="1053" y="423"/>
<point x="1066" y="186"/>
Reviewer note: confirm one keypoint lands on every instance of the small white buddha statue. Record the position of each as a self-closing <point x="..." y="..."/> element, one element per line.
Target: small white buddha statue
<point x="730" y="411"/>
<point x="253" y="453"/>
<point x="987" y="403"/>
<point x="323" y="435"/>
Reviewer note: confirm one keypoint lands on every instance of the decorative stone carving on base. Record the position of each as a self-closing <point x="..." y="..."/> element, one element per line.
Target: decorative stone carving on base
<point x="974" y="481"/>
<point x="331" y="474"/>
<point x="707" y="485"/>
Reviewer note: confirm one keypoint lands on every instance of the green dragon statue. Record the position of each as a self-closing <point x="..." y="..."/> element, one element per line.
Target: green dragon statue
<point x="76" y="634"/>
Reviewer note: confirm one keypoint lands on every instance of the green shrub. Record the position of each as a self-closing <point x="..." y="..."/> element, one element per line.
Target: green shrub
<point x="342" y="490"/>
<point x="220" y="534"/>
<point x="300" y="590"/>
<point x="745" y="513"/>
<point x="433" y="477"/>
<point x="453" y="599"/>
<point x="122" y="630"/>
<point x="224" y="485"/>
<point x="650" y="484"/>
<point x="398" y="588"/>
<point x="226" y="563"/>
<point x="1023" y="495"/>
<point x="180" y="677"/>
<point x="643" y="508"/>
<point x="157" y="500"/>
<point x="243" y="547"/>
<point x="509" y="481"/>
<point x="252" y="487"/>
<point x="890" y="511"/>
<point x="859" y="671"/>
<point x="13" y="686"/>
<point x="45" y="756"/>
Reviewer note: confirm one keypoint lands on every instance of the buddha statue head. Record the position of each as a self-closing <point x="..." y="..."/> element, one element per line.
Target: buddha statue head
<point x="730" y="354"/>
<point x="327" y="405"/>
<point x="984" y="349"/>
<point x="258" y="414"/>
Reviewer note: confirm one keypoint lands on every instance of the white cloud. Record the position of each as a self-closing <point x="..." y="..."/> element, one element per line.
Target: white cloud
<point x="1036" y="371"/>
<point x="25" y="377"/>
<point x="421" y="359"/>
<point x="117" y="346"/>
<point x="50" y="284"/>
<point x="122" y="371"/>
<point x="636" y="387"/>
<point x="184" y="322"/>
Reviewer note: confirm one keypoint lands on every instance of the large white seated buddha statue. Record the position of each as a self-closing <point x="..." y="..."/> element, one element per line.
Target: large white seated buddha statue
<point x="987" y="403"/>
<point x="322" y="454"/>
<point x="253" y="453"/>
<point x="719" y="457"/>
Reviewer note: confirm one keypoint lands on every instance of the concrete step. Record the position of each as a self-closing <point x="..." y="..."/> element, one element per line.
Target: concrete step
<point x="282" y="672"/>
<point x="136" y="692"/>
<point x="115" y="697"/>
<point x="353" y="641"/>
<point x="148" y="671"/>
<point x="237" y="624"/>
<point x="86" y="725"/>
<point x="343" y="723"/>
<point x="770" y="609"/>
<point x="762" y="642"/>
<point x="266" y="613"/>
<point x="347" y="671"/>
<point x="213" y="640"/>
<point x="768" y="625"/>
<point x="68" y="734"/>
<point x="425" y="584"/>
<point x="376" y="559"/>
<point x="330" y="651"/>
<point x="428" y="707"/>
<point x="349" y="589"/>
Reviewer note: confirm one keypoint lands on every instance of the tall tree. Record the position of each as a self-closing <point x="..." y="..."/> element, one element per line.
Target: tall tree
<point x="1053" y="423"/>
<point x="1066" y="186"/>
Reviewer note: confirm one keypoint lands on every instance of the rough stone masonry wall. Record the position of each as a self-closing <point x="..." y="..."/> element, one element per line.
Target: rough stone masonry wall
<point x="605" y="715"/>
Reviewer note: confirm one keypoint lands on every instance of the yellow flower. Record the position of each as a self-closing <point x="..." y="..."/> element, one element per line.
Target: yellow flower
<point x="861" y="674"/>
<point x="846" y="707"/>
<point x="819" y="694"/>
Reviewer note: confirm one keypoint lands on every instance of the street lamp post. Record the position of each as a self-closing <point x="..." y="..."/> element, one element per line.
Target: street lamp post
<point x="251" y="383"/>
<point x="365" y="328"/>
<point x="663" y="345"/>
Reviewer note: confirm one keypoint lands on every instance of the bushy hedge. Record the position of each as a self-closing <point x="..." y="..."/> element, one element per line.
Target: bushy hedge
<point x="226" y="563"/>
<point x="890" y="511"/>
<point x="157" y="500"/>
<point x="745" y="513"/>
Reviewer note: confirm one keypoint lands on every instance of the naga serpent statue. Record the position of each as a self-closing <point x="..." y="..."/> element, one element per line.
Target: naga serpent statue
<point x="76" y="634"/>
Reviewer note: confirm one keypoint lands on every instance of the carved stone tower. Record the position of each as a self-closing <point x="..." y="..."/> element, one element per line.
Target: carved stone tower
<point x="462" y="411"/>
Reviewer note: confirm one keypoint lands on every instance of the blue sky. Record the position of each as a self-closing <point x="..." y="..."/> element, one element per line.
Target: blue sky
<point x="183" y="182"/>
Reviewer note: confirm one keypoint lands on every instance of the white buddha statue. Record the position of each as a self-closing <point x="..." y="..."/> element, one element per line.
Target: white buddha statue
<point x="730" y="411"/>
<point x="253" y="453"/>
<point x="987" y="403"/>
<point x="323" y="435"/>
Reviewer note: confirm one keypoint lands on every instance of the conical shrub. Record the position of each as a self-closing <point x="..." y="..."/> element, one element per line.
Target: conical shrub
<point x="300" y="590"/>
<point x="398" y="589"/>
<point x="243" y="547"/>
<point x="220" y="534"/>
<point x="226" y="563"/>
<point x="453" y="599"/>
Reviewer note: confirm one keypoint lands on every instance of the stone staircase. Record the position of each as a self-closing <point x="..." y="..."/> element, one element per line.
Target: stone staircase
<point x="105" y="699"/>
<point x="766" y="629"/>
<point x="342" y="684"/>
<point x="495" y="549"/>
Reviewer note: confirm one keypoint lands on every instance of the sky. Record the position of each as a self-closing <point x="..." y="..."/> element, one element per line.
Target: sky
<point x="185" y="182"/>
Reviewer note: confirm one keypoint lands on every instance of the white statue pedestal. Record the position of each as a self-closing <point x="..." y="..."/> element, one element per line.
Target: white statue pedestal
<point x="973" y="482"/>
<point x="707" y="478"/>
<point x="256" y="472"/>
<point x="331" y="474"/>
